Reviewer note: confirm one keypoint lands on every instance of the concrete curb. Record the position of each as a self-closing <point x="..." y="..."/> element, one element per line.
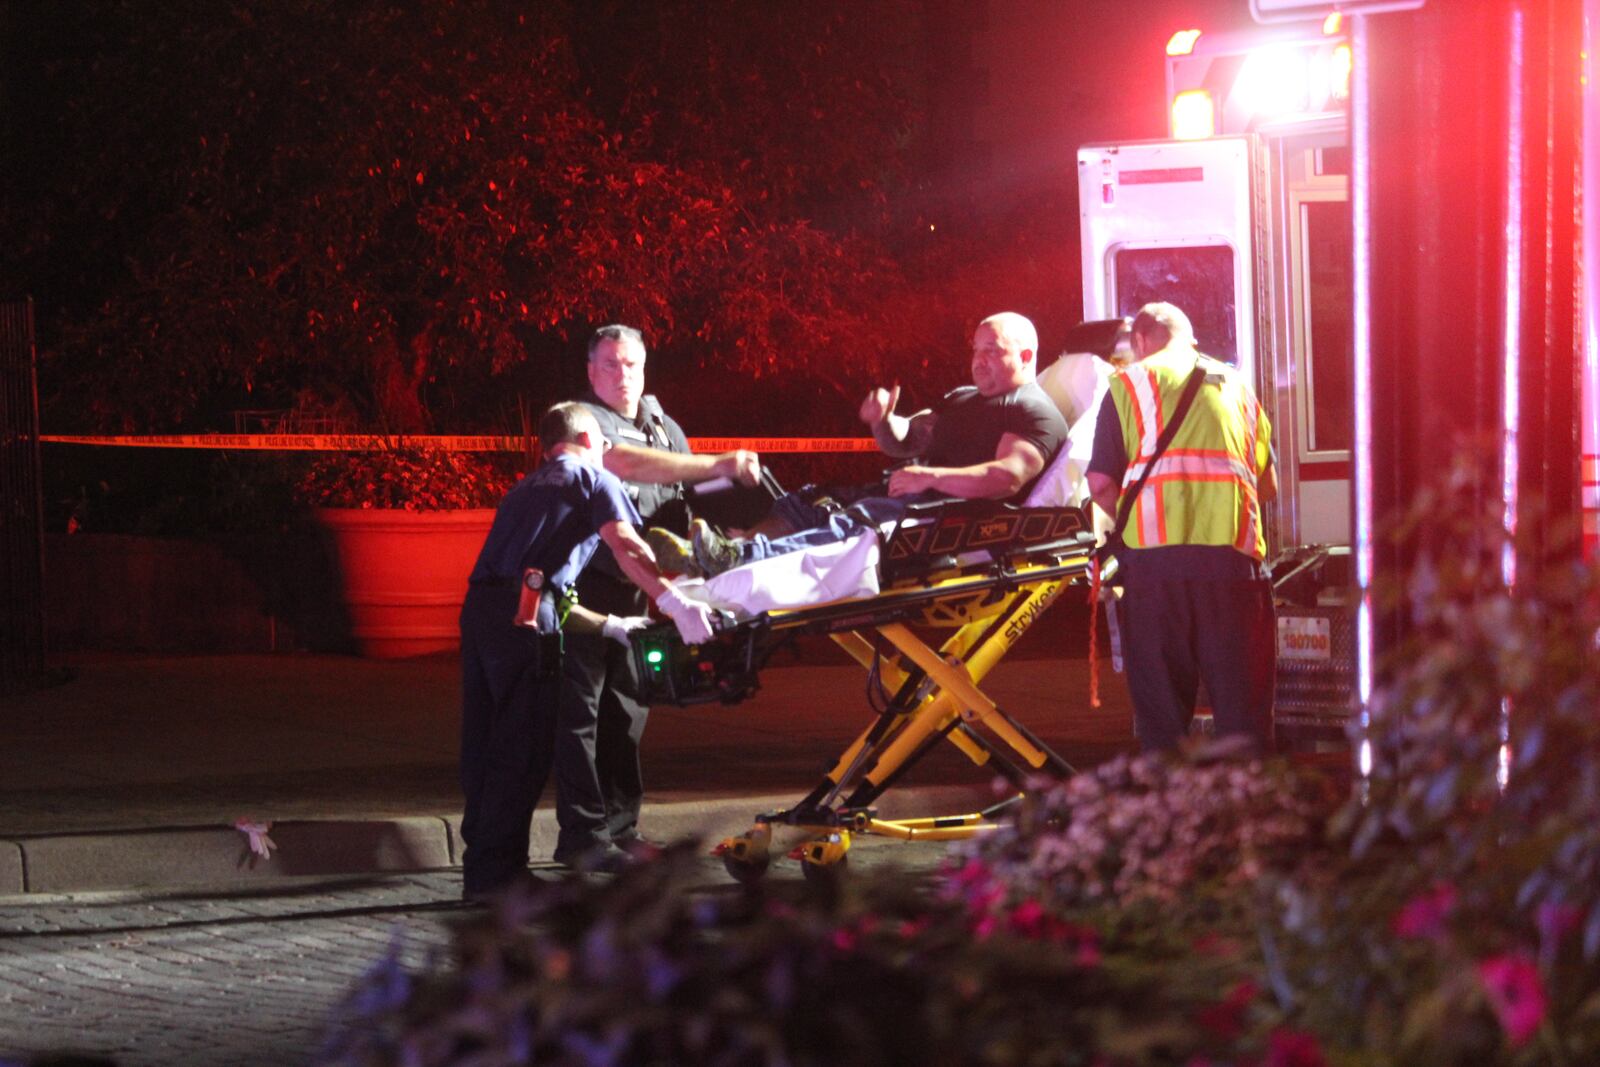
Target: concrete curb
<point x="163" y="857"/>
<point x="218" y="856"/>
<point x="11" y="869"/>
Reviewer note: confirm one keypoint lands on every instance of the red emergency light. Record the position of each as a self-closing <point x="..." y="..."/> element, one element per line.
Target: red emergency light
<point x="1238" y="82"/>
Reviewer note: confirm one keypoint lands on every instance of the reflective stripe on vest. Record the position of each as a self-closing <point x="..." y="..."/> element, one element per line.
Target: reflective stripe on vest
<point x="1202" y="490"/>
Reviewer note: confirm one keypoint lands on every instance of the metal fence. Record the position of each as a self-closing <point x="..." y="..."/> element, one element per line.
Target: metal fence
<point x="22" y="644"/>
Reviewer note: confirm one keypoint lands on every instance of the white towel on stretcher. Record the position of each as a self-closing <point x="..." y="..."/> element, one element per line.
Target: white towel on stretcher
<point x="846" y="570"/>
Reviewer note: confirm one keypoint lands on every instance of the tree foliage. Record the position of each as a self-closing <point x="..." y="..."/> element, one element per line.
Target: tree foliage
<point x="406" y="211"/>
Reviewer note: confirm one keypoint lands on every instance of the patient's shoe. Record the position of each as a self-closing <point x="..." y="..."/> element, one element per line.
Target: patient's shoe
<point x="674" y="554"/>
<point x="713" y="553"/>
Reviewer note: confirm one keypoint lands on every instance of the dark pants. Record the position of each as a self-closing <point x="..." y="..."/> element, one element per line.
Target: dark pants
<point x="1177" y="632"/>
<point x="822" y="526"/>
<point x="599" y="785"/>
<point x="510" y="685"/>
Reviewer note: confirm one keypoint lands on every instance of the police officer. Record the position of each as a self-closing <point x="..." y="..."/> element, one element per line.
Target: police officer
<point x="548" y="527"/>
<point x="599" y="784"/>
<point x="1196" y="602"/>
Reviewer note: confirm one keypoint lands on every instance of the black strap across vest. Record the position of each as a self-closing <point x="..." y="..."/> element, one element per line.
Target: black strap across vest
<point x="1191" y="387"/>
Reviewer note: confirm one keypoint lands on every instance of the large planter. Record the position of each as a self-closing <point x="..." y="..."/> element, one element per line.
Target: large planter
<point x="405" y="574"/>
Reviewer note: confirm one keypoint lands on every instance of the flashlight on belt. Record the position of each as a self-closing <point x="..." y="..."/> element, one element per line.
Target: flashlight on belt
<point x="529" y="593"/>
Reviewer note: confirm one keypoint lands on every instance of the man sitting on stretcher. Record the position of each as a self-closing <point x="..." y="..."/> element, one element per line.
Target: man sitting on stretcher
<point x="986" y="441"/>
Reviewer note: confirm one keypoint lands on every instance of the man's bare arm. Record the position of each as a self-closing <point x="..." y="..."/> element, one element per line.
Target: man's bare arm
<point x="1015" y="464"/>
<point x="1104" y="492"/>
<point x="1267" y="483"/>
<point x="657" y="466"/>
<point x="903" y="437"/>
<point x="580" y="620"/>
<point x="634" y="557"/>
<point x="899" y="436"/>
<point x="691" y="617"/>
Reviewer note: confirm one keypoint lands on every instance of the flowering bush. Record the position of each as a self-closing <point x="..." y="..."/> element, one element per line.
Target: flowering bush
<point x="651" y="969"/>
<point x="1188" y="912"/>
<point x="1457" y="917"/>
<point x="402" y="474"/>
<point x="1150" y="830"/>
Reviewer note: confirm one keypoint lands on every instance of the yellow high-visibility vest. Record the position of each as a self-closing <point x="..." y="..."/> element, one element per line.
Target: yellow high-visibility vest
<point x="1202" y="490"/>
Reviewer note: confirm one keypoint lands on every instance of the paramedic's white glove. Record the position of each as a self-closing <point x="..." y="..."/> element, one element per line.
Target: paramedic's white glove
<point x="692" y="618"/>
<point x="618" y="628"/>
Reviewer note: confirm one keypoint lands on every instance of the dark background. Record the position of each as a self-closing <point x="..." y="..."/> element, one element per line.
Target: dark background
<point x="405" y="217"/>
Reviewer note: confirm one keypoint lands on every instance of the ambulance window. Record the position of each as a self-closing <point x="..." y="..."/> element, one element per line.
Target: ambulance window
<point x="1197" y="278"/>
<point x="1329" y="353"/>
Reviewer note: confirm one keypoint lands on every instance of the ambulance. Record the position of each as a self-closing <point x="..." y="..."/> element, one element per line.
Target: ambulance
<point x="1242" y="218"/>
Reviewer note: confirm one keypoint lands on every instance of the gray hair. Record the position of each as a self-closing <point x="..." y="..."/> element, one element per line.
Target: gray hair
<point x="615" y="332"/>
<point x="1163" y="316"/>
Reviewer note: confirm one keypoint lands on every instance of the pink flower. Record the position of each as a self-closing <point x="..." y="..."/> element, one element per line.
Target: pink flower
<point x="1029" y="919"/>
<point x="912" y="927"/>
<point x="1293" y="1048"/>
<point x="1424" y="915"/>
<point x="973" y="872"/>
<point x="1516" y="994"/>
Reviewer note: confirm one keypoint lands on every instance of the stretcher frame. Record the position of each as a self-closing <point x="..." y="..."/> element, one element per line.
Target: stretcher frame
<point x="980" y="572"/>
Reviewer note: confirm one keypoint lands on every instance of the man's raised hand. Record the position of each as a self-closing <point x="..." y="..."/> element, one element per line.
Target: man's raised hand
<point x="879" y="405"/>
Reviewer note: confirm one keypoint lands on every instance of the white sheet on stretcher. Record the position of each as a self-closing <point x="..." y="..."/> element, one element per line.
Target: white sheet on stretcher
<point x="845" y="570"/>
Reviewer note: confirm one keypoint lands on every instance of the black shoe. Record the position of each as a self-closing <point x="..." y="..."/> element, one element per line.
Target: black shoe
<point x="674" y="555"/>
<point x="518" y="882"/>
<point x="713" y="553"/>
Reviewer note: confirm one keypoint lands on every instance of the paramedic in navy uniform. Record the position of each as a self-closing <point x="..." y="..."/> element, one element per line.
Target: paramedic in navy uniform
<point x="553" y="520"/>
<point x="599" y="787"/>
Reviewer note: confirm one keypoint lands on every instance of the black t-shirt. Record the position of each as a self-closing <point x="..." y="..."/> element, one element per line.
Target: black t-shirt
<point x="970" y="426"/>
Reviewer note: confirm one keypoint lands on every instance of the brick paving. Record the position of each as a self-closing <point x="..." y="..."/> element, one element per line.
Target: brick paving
<point x="206" y="980"/>
<point x="199" y="980"/>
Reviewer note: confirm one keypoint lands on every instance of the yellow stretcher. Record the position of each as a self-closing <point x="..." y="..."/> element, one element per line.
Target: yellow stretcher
<point x="976" y="573"/>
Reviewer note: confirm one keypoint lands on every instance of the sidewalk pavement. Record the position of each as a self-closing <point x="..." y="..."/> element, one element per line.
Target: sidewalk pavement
<point x="134" y="773"/>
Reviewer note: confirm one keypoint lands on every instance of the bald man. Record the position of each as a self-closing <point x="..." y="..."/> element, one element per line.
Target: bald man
<point x="986" y="441"/>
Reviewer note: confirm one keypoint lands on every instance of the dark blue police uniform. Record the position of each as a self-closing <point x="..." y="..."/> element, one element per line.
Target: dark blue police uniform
<point x="599" y="783"/>
<point x="511" y="675"/>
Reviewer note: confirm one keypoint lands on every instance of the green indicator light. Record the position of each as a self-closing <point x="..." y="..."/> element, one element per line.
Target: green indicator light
<point x="654" y="656"/>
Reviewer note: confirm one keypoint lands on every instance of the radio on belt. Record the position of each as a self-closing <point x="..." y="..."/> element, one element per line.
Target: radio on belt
<point x="532" y="589"/>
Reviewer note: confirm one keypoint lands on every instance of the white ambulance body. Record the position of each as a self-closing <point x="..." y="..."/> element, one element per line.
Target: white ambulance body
<point x="1242" y="220"/>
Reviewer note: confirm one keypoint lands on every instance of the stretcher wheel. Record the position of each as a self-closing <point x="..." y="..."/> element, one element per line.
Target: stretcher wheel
<point x="825" y="873"/>
<point x="745" y="871"/>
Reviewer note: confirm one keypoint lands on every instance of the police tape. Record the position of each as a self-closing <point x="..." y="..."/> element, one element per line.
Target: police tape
<point x="353" y="442"/>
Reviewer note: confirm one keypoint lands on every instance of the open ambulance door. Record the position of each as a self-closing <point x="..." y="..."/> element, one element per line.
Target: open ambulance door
<point x="1307" y="375"/>
<point x="1250" y="236"/>
<point x="1171" y="220"/>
